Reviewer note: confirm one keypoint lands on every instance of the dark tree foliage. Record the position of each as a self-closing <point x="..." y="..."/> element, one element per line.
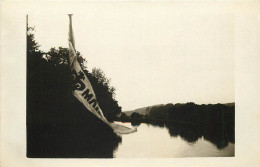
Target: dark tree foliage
<point x="105" y="93"/>
<point x="123" y="117"/>
<point x="58" y="59"/>
<point x="58" y="125"/>
<point x="135" y="115"/>
<point x="154" y="114"/>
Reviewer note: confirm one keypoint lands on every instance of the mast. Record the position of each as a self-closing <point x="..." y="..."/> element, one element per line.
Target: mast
<point x="26" y="35"/>
<point x="71" y="36"/>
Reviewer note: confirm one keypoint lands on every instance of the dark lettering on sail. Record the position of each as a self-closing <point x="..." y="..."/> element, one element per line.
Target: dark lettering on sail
<point x="87" y="95"/>
<point x="91" y="101"/>
<point x="78" y="84"/>
<point x="77" y="80"/>
<point x="94" y="102"/>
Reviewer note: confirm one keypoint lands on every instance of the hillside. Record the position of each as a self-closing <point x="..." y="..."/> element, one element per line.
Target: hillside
<point x="230" y="104"/>
<point x="142" y="111"/>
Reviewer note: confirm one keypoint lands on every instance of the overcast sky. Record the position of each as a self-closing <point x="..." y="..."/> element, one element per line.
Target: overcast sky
<point x="154" y="54"/>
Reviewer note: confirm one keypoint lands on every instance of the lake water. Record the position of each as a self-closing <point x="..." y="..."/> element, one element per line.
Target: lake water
<point x="164" y="142"/>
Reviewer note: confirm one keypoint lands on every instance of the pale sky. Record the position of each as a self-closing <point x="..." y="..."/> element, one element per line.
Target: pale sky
<point x="154" y="54"/>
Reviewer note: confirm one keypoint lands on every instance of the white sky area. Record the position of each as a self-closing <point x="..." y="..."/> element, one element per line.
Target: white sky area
<point x="154" y="54"/>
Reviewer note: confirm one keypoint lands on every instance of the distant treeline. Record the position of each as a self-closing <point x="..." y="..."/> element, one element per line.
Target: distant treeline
<point x="186" y="113"/>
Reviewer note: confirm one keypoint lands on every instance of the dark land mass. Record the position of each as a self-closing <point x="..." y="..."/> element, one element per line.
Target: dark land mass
<point x="57" y="124"/>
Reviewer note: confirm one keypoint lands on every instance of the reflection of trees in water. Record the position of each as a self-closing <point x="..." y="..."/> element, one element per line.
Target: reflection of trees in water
<point x="135" y="123"/>
<point x="187" y="132"/>
<point x="158" y="124"/>
<point x="218" y="134"/>
<point x="216" y="123"/>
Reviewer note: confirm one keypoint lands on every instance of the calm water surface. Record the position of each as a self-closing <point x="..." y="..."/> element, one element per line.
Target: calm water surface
<point x="156" y="142"/>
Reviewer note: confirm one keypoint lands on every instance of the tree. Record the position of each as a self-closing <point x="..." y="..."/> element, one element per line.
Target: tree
<point x="135" y="115"/>
<point x="56" y="63"/>
<point x="124" y="117"/>
<point x="105" y="93"/>
<point x="32" y="45"/>
<point x="158" y="112"/>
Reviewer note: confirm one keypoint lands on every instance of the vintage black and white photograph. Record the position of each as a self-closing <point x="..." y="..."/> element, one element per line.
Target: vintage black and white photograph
<point x="127" y="83"/>
<point x="130" y="82"/>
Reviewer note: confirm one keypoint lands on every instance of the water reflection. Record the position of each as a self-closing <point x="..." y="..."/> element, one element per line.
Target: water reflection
<point x="186" y="132"/>
<point x="152" y="140"/>
<point x="220" y="134"/>
<point x="135" y="123"/>
<point x="217" y="134"/>
<point x="158" y="124"/>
